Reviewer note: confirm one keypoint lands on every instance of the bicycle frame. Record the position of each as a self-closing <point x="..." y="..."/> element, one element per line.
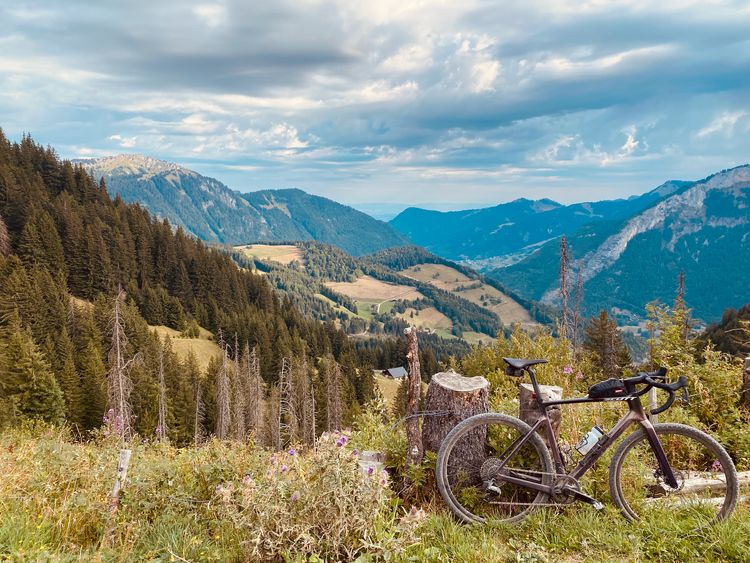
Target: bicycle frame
<point x="635" y="415"/>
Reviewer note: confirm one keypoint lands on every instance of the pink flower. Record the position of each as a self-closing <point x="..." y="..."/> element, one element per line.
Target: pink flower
<point x="284" y="469"/>
<point x="292" y="451"/>
<point x="579" y="376"/>
<point x="567" y="370"/>
<point x="369" y="470"/>
<point x="355" y="452"/>
<point x="295" y="496"/>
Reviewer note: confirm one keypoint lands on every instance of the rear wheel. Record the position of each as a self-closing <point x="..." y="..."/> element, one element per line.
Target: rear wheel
<point x="470" y="470"/>
<point x="707" y="487"/>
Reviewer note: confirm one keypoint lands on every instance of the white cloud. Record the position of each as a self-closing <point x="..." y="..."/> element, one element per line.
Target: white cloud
<point x="124" y="142"/>
<point x="724" y="123"/>
<point x="214" y="15"/>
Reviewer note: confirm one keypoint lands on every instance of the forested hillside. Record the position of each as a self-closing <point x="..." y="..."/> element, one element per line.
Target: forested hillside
<point x="66" y="246"/>
<point x="208" y="209"/>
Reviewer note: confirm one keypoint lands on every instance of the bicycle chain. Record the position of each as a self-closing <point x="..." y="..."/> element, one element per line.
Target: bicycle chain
<point x="530" y="471"/>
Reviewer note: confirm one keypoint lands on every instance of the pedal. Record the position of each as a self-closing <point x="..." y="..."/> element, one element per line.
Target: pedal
<point x="583" y="497"/>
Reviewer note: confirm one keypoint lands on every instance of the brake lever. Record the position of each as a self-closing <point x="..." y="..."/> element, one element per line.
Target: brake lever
<point x="685" y="398"/>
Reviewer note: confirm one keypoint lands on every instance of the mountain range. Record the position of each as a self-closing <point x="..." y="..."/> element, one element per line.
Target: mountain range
<point x="701" y="229"/>
<point x="208" y="209"/>
<point x="509" y="231"/>
<point x="629" y="251"/>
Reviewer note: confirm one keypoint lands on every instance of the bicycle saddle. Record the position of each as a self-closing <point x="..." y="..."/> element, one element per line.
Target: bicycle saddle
<point x="522" y="364"/>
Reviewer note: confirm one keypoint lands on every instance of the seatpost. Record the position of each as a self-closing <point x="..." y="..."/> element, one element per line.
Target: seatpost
<point x="535" y="385"/>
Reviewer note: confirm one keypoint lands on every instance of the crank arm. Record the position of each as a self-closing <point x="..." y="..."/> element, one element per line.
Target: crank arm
<point x="583" y="497"/>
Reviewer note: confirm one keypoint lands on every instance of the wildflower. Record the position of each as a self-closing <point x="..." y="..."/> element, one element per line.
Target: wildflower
<point x="272" y="459"/>
<point x="284" y="469"/>
<point x="342" y="441"/>
<point x="579" y="376"/>
<point x="567" y="370"/>
<point x="248" y="479"/>
<point x="370" y="470"/>
<point x="414" y="515"/>
<point x="355" y="452"/>
<point x="292" y="451"/>
<point x="716" y="466"/>
<point x="295" y="496"/>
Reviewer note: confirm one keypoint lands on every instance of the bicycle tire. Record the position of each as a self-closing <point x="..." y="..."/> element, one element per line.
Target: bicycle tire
<point x="459" y="431"/>
<point x="636" y="438"/>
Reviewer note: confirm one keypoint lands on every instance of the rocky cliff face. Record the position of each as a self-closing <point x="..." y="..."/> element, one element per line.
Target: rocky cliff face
<point x="701" y="229"/>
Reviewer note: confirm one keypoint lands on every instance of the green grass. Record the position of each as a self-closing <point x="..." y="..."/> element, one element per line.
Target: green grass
<point x="579" y="533"/>
<point x="54" y="507"/>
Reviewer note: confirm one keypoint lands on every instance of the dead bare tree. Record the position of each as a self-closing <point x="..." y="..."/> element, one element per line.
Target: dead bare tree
<point x="253" y="383"/>
<point x="238" y="396"/>
<point x="119" y="384"/>
<point x="223" y="399"/>
<point x="413" y="435"/>
<point x="306" y="402"/>
<point x="564" y="287"/>
<point x="288" y="414"/>
<point x="334" y="406"/>
<point x="577" y="319"/>
<point x="200" y="412"/>
<point x="274" y="417"/>
<point x="161" y="429"/>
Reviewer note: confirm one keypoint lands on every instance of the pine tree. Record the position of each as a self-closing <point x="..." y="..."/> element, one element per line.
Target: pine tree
<point x="26" y="379"/>
<point x="604" y="342"/>
<point x="5" y="247"/>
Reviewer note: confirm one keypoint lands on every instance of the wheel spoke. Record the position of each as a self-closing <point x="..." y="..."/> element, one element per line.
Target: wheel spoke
<point x="476" y="457"/>
<point x="706" y="479"/>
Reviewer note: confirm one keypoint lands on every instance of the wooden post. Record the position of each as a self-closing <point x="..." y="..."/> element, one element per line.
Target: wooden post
<point x="528" y="411"/>
<point x="746" y="384"/>
<point x="459" y="396"/>
<point x="114" y="499"/>
<point x="122" y="473"/>
<point x="413" y="436"/>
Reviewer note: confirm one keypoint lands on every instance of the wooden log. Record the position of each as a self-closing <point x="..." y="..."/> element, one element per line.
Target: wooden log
<point x="461" y="397"/>
<point x="413" y="437"/>
<point x="746" y="384"/>
<point x="529" y="412"/>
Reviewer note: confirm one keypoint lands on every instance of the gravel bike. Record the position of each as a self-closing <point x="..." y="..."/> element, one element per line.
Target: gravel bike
<point x="496" y="467"/>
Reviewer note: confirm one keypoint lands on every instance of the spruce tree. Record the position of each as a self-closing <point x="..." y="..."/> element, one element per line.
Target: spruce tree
<point x="27" y="379"/>
<point x="604" y="342"/>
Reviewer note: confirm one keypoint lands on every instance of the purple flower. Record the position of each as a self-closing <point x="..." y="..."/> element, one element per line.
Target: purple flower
<point x="272" y="459"/>
<point x="247" y="479"/>
<point x="716" y="466"/>
<point x="295" y="496"/>
<point x="355" y="452"/>
<point x="369" y="470"/>
<point x="292" y="451"/>
<point x="340" y="443"/>
<point x="284" y="469"/>
<point x="567" y="370"/>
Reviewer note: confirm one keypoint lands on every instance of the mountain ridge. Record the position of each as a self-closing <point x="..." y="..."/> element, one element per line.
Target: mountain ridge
<point x="210" y="210"/>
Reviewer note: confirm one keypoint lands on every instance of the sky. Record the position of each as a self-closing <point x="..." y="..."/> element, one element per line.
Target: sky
<point x="389" y="103"/>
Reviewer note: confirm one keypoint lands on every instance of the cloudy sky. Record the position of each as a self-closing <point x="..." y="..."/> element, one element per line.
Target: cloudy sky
<point x="444" y="104"/>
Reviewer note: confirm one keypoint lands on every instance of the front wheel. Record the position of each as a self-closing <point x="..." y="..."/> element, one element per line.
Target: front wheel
<point x="472" y="462"/>
<point x="707" y="487"/>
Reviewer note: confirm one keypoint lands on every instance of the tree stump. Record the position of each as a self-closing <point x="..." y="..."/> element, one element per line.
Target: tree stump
<point x="462" y="397"/>
<point x="529" y="412"/>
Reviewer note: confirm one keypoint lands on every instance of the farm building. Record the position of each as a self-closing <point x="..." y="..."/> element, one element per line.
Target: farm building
<point x="395" y="373"/>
